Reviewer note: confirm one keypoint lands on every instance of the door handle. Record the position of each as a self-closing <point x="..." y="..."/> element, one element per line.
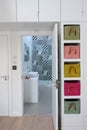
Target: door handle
<point x="4" y="77"/>
<point x="57" y="84"/>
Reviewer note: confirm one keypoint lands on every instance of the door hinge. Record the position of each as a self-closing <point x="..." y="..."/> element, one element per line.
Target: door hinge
<point x="58" y="84"/>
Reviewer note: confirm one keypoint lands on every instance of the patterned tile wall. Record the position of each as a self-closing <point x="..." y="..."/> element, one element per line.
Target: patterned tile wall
<point x="42" y="56"/>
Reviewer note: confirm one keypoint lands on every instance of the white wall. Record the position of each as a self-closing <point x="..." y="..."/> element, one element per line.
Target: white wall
<point x="16" y="76"/>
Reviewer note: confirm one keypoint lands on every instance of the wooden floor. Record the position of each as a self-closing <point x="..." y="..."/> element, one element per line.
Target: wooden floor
<point x="31" y="122"/>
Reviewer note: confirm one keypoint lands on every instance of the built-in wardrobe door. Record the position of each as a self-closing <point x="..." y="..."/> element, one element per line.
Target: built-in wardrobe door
<point x="27" y="10"/>
<point x="71" y="10"/>
<point x="85" y="10"/>
<point x="7" y="10"/>
<point x="49" y="10"/>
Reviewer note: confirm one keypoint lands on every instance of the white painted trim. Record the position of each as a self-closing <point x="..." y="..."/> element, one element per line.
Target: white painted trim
<point x="15" y="114"/>
<point x="35" y="32"/>
<point x="20" y="34"/>
<point x="9" y="67"/>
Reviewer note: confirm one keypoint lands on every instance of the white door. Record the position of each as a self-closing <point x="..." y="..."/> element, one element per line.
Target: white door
<point x="27" y="10"/>
<point x="3" y="75"/>
<point x="49" y="10"/>
<point x="85" y="10"/>
<point x="7" y="10"/>
<point x="71" y="10"/>
<point x="55" y="76"/>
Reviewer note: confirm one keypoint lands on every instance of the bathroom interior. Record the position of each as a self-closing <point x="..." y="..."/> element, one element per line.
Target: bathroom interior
<point x="37" y="73"/>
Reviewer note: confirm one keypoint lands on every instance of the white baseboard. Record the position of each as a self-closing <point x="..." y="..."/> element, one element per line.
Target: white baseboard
<point x="16" y="114"/>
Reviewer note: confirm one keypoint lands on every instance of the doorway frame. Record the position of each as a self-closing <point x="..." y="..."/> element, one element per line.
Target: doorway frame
<point x="28" y="33"/>
<point x="17" y="77"/>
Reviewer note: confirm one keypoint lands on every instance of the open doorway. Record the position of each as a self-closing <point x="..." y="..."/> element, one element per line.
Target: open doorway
<point x="37" y="73"/>
<point x="54" y="108"/>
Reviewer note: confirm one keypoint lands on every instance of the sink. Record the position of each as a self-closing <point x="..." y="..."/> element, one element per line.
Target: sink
<point x="31" y="87"/>
<point x="33" y="74"/>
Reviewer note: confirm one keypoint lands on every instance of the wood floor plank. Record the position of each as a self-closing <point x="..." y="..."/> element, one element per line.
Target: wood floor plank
<point x="30" y="122"/>
<point x="27" y="123"/>
<point x="5" y="123"/>
<point x="46" y="123"/>
<point x="16" y="123"/>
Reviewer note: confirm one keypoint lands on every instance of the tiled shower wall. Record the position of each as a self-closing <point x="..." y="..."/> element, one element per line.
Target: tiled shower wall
<point x="42" y="56"/>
